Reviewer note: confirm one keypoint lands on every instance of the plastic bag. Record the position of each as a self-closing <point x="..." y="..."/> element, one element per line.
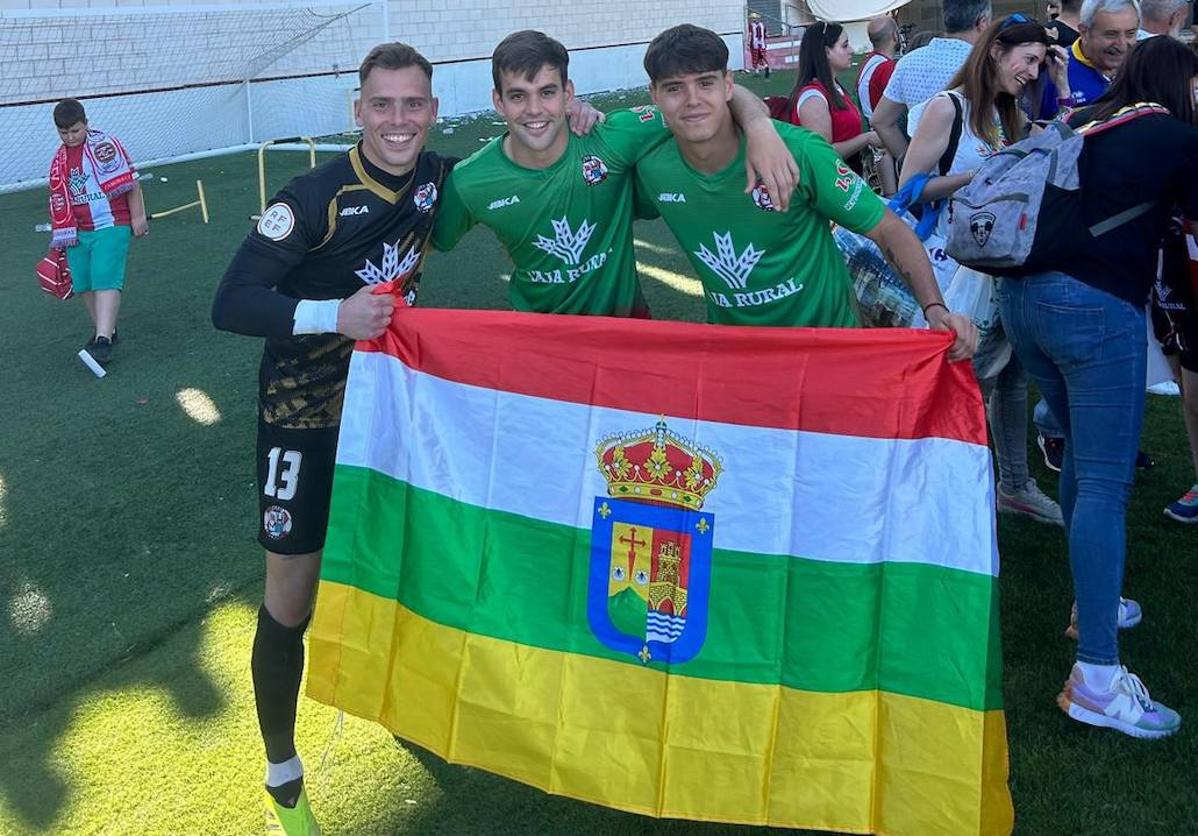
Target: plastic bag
<point x="975" y="295"/>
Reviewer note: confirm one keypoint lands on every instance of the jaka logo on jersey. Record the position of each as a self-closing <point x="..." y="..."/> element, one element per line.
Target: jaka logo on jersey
<point x="733" y="267"/>
<point x="510" y="200"/>
<point x="276" y="522"/>
<point x="566" y="244"/>
<point x="393" y="268"/>
<point x="425" y="198"/>
<point x="672" y="197"/>
<point x="761" y="198"/>
<point x="981" y="224"/>
<point x="355" y="210"/>
<point x="649" y="582"/>
<point x="594" y="170"/>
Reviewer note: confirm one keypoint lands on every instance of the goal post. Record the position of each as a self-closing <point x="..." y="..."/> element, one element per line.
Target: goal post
<point x="177" y="82"/>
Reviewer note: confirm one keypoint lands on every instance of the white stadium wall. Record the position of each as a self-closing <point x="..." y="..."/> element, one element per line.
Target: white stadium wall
<point x="182" y="77"/>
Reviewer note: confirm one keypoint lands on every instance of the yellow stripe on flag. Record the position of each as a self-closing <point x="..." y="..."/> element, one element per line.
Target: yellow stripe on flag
<point x="634" y="738"/>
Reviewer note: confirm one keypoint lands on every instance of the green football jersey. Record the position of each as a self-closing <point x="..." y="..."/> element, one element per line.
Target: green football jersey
<point x="567" y="228"/>
<point x="760" y="266"/>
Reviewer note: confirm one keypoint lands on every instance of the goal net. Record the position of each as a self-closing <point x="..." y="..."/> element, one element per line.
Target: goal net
<point x="179" y="81"/>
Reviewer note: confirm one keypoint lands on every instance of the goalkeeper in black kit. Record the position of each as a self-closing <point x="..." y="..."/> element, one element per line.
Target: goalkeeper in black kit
<point x="305" y="280"/>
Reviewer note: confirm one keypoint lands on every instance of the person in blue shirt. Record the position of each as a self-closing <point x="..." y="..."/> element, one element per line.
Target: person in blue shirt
<point x="1108" y="29"/>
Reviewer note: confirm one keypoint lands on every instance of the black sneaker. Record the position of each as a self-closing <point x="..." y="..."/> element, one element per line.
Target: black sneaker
<point x="101" y="350"/>
<point x="1053" y="450"/>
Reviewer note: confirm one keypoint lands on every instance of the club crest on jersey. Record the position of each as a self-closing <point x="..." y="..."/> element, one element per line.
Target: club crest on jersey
<point x="651" y="544"/>
<point x="425" y="198"/>
<point x="594" y="170"/>
<point x="276" y="522"/>
<point x="276" y="222"/>
<point x="645" y="113"/>
<point x="761" y="197"/>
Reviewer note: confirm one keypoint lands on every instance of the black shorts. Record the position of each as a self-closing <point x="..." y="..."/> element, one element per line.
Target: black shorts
<point x="295" y="482"/>
<point x="1174" y="307"/>
<point x="1178" y="338"/>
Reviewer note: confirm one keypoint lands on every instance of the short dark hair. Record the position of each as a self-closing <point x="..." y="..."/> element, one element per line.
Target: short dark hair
<point x="68" y="112"/>
<point x="393" y="56"/>
<point x="685" y="49"/>
<point x="525" y="53"/>
<point x="963" y="15"/>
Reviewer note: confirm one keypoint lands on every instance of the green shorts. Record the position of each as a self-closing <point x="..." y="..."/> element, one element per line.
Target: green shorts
<point x="98" y="260"/>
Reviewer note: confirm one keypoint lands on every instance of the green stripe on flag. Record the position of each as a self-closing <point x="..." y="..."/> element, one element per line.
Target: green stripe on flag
<point x="906" y="628"/>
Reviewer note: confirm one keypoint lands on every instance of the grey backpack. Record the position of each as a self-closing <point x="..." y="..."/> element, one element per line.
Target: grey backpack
<point x="993" y="220"/>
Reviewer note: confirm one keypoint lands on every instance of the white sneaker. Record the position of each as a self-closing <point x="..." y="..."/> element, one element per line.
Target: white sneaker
<point x="1031" y="502"/>
<point x="1123" y="705"/>
<point x="1130" y="614"/>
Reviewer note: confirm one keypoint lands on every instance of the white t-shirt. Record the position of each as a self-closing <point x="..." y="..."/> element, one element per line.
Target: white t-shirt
<point x="867" y="73"/>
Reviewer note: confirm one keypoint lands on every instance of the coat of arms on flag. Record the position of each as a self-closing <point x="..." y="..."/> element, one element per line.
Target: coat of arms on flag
<point x="651" y="546"/>
<point x="713" y="573"/>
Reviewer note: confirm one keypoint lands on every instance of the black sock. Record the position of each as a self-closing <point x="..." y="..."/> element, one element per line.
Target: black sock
<point x="277" y="665"/>
<point x="287" y="794"/>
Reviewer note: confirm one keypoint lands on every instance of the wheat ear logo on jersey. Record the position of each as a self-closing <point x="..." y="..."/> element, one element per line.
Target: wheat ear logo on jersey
<point x="566" y="244"/>
<point x="733" y="267"/>
<point x="392" y="267"/>
<point x="651" y="544"/>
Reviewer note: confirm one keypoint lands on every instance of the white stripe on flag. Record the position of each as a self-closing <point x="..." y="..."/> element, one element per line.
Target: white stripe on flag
<point x="837" y="498"/>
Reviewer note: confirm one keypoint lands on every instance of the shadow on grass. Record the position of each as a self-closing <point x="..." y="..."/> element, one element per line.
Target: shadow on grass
<point x="475" y="801"/>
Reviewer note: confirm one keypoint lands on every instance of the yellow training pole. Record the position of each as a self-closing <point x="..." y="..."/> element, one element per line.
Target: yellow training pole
<point x="203" y="202"/>
<point x="262" y="166"/>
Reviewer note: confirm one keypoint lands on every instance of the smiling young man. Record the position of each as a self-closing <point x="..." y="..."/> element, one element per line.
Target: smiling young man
<point x="304" y="280"/>
<point x="761" y="264"/>
<point x="562" y="204"/>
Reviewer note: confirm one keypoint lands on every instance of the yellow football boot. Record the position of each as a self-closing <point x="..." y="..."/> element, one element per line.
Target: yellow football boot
<point x="291" y="821"/>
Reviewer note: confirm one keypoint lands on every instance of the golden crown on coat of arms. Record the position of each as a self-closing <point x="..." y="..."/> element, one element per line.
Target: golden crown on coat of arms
<point x="658" y="465"/>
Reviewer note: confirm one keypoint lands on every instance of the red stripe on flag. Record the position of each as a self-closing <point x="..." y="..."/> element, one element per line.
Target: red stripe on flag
<point x="878" y="383"/>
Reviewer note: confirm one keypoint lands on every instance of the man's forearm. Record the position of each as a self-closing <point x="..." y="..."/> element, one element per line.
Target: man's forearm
<point x="746" y="107"/>
<point x="908" y="257"/>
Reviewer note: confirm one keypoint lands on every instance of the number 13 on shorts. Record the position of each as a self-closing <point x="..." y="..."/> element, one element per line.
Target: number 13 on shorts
<point x="282" y="477"/>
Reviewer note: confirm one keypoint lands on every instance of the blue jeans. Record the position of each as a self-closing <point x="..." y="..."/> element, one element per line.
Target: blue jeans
<point x="1046" y="424"/>
<point x="1087" y="352"/>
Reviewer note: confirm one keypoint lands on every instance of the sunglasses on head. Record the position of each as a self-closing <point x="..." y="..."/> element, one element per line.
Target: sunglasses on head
<point x="1016" y="19"/>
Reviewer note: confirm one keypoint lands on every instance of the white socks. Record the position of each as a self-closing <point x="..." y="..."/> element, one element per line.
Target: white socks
<point x="278" y="774"/>
<point x="1098" y="677"/>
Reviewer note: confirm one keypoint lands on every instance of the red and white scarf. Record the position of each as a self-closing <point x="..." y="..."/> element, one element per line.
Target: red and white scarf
<point x="113" y="169"/>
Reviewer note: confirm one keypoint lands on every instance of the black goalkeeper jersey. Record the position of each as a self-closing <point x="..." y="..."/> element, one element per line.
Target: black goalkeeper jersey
<point x="326" y="234"/>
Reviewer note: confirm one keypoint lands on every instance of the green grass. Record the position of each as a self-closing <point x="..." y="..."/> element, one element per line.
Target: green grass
<point x="129" y="574"/>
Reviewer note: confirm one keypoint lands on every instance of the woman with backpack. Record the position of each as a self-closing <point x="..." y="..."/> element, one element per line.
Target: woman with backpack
<point x="1075" y="315"/>
<point x="819" y="103"/>
<point x="976" y="116"/>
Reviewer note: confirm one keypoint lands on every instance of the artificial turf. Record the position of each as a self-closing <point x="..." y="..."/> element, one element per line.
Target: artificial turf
<point x="129" y="574"/>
